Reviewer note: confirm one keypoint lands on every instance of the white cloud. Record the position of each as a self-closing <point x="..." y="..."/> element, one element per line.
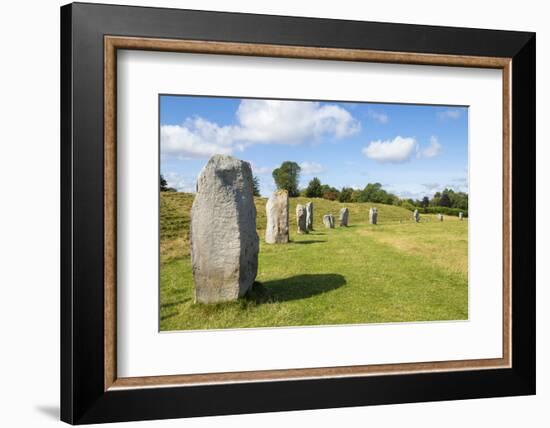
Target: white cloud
<point x="398" y="150"/>
<point x="261" y="170"/>
<point x="457" y="184"/>
<point x="195" y="138"/>
<point x="292" y="122"/>
<point x="433" y="187"/>
<point x="309" y="168"/>
<point x="406" y="194"/>
<point x="401" y="149"/>
<point x="258" y="122"/>
<point x="434" y="149"/>
<point x="379" y="117"/>
<point x="461" y="180"/>
<point x="460" y="184"/>
<point x="179" y="182"/>
<point x="449" y="114"/>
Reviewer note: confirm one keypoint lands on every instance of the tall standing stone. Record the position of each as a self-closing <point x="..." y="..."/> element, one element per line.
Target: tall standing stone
<point x="416" y="216"/>
<point x="224" y="241"/>
<point x="301" y="219"/>
<point x="328" y="221"/>
<point x="344" y="217"/>
<point x="440" y="217"/>
<point x="460" y="215"/>
<point x="373" y="215"/>
<point x="309" y="216"/>
<point x="277" y="218"/>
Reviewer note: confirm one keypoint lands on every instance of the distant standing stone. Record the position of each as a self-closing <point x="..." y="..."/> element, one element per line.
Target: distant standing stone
<point x="460" y="215"/>
<point x="301" y="219"/>
<point x="440" y="217"/>
<point x="344" y="217"/>
<point x="309" y="216"/>
<point x="328" y="221"/>
<point x="373" y="215"/>
<point x="416" y="216"/>
<point x="277" y="218"/>
<point x="224" y="241"/>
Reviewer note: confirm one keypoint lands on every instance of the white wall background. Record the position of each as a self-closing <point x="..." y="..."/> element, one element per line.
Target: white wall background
<point x="29" y="213"/>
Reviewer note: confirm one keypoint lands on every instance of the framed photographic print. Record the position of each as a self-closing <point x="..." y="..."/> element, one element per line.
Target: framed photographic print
<point x="266" y="213"/>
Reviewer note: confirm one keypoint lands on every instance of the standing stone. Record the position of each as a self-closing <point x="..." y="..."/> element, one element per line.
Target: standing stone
<point x="460" y="215"/>
<point x="373" y="215"/>
<point x="440" y="217"/>
<point x="309" y="216"/>
<point x="416" y="216"/>
<point x="277" y="218"/>
<point x="328" y="221"/>
<point x="301" y="219"/>
<point x="344" y="216"/>
<point x="224" y="242"/>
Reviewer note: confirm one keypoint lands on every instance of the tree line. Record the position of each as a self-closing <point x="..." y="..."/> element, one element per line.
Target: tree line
<point x="287" y="177"/>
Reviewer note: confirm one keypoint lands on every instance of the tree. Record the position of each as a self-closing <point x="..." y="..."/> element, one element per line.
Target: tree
<point x="355" y="196"/>
<point x="459" y="200"/>
<point x="434" y="202"/>
<point x="444" y="201"/>
<point x="314" y="188"/>
<point x="345" y="194"/>
<point x="425" y="202"/>
<point x="287" y="176"/>
<point x="373" y="192"/>
<point x="163" y="184"/>
<point x="368" y="194"/>
<point x="329" y="192"/>
<point x="256" y="185"/>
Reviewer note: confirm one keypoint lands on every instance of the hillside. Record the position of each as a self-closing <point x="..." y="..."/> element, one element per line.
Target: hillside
<point x="175" y="211"/>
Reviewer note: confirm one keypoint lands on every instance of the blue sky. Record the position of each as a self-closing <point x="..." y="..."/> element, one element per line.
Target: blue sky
<point x="413" y="150"/>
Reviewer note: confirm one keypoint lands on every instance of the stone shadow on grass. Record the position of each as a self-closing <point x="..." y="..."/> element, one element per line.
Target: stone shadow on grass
<point x="295" y="287"/>
<point x="313" y="241"/>
<point x="171" y="305"/>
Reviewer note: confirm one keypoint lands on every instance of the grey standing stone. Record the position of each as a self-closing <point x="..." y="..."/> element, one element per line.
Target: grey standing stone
<point x="301" y="219"/>
<point x="224" y="241"/>
<point x="460" y="215"/>
<point x="328" y="221"/>
<point x="344" y="217"/>
<point x="373" y="215"/>
<point x="416" y="216"/>
<point x="440" y="217"/>
<point x="277" y="218"/>
<point x="309" y="216"/>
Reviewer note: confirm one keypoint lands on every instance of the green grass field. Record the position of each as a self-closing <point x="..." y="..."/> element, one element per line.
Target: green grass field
<point x="395" y="271"/>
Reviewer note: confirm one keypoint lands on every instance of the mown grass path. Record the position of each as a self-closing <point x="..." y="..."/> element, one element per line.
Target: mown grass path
<point x="393" y="272"/>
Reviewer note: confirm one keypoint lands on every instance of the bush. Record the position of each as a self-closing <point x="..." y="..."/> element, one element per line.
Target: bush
<point x="407" y="205"/>
<point x="435" y="210"/>
<point x="441" y="210"/>
<point x="330" y="195"/>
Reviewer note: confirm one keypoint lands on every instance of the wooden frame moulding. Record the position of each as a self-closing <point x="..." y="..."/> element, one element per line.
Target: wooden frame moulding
<point x="114" y="43"/>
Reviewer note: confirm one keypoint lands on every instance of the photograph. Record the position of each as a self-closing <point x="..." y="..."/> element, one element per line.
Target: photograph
<point x="286" y="213"/>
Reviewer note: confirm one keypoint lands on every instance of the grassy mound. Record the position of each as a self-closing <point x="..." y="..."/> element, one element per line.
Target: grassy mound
<point x="175" y="216"/>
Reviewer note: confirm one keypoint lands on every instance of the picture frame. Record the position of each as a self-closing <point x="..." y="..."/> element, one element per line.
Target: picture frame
<point x="91" y="391"/>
